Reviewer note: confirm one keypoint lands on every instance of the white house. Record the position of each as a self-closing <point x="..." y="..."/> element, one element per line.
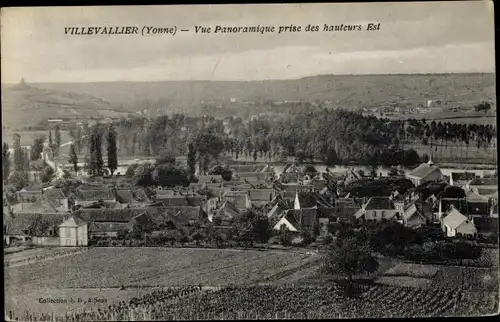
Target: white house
<point x="455" y="224"/>
<point x="73" y="232"/>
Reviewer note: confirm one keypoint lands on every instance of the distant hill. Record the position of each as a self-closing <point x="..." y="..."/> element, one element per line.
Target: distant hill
<point x="347" y="91"/>
<point x="26" y="105"/>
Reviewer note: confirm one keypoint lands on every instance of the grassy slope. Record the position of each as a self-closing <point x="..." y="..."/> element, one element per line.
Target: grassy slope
<point x="92" y="99"/>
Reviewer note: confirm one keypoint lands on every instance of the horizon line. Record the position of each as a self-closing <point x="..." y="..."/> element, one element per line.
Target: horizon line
<point x="255" y="80"/>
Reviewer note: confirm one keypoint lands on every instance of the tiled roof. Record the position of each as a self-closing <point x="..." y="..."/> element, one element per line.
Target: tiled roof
<point x="73" y="221"/>
<point x="54" y="194"/>
<point x="459" y="203"/>
<point x="463" y="176"/>
<point x="487" y="192"/>
<point x="179" y="201"/>
<point x="209" y="178"/>
<point x="239" y="200"/>
<point x="484" y="182"/>
<point x="91" y="195"/>
<point x="486" y="224"/>
<point x="238" y="168"/>
<point x="109" y="215"/>
<point x="261" y="194"/>
<point x="478" y="208"/>
<point x="423" y="170"/>
<point x="454" y="218"/>
<point x="380" y="203"/>
<point x="41" y="205"/>
<point x="255" y="176"/>
<point x="410" y="211"/>
<point x="131" y="196"/>
<point x="107" y="227"/>
<point x="471" y="196"/>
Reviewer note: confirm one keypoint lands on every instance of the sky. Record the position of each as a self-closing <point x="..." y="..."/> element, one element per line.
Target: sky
<point x="433" y="37"/>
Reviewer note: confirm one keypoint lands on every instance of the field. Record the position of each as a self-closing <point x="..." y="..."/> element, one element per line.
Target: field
<point x="248" y="285"/>
<point x="144" y="267"/>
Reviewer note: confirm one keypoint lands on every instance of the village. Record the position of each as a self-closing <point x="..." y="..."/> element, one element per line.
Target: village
<point x="299" y="206"/>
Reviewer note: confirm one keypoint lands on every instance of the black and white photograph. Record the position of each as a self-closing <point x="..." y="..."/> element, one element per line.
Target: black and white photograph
<point x="249" y="161"/>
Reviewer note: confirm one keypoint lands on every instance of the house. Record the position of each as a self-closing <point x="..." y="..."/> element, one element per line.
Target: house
<point x="377" y="208"/>
<point x="238" y="168"/>
<point x="225" y="215"/>
<point x="209" y="178"/>
<point x="132" y="197"/>
<point x="444" y="204"/>
<point x="182" y="200"/>
<point x="460" y="179"/>
<point x="250" y="176"/>
<point x="298" y="220"/>
<point x="344" y="210"/>
<point x="424" y="173"/>
<point x="186" y="216"/>
<point x="239" y="199"/>
<point x="309" y="200"/>
<point x="455" y="224"/>
<point x="73" y="232"/>
<point x="108" y="222"/>
<point x="486" y="226"/>
<point x="261" y="197"/>
<point x="477" y="205"/>
<point x="86" y="198"/>
<point x="483" y="183"/>
<point x="488" y="193"/>
<point x="351" y="175"/>
<point x="29" y="194"/>
<point x="412" y="217"/>
<point x="57" y="198"/>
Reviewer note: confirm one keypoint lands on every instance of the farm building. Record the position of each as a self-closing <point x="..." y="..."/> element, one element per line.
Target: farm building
<point x="455" y="224"/>
<point x="424" y="173"/>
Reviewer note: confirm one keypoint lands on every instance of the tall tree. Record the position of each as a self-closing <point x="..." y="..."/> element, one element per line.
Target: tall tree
<point x="5" y="162"/>
<point x="37" y="147"/>
<point x="95" y="146"/>
<point x="191" y="160"/>
<point x="112" y="152"/>
<point x="51" y="142"/>
<point x="73" y="158"/>
<point x="19" y="162"/>
<point x="57" y="139"/>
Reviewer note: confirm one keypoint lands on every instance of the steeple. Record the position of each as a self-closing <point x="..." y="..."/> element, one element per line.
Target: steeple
<point x="430" y="161"/>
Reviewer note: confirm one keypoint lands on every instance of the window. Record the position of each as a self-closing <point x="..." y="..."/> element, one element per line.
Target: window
<point x="383" y="214"/>
<point x="374" y="214"/>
